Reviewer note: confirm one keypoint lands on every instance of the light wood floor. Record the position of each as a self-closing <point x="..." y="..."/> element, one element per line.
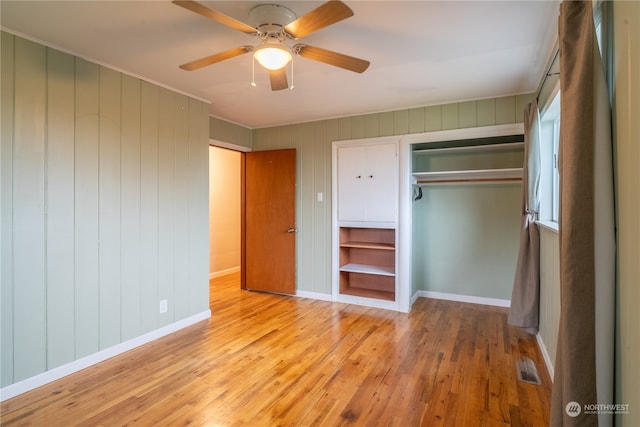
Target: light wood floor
<point x="267" y="360"/>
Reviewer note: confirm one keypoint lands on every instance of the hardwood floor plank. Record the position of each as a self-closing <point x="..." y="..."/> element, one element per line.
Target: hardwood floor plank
<point x="272" y="360"/>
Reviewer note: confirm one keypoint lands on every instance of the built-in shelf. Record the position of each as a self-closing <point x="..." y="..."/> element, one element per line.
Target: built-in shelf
<point x="369" y="245"/>
<point x="368" y="269"/>
<point x="367" y="262"/>
<point x="462" y="176"/>
<point x="496" y="171"/>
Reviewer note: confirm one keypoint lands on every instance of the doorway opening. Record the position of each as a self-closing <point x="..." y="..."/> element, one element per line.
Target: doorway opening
<point x="225" y="189"/>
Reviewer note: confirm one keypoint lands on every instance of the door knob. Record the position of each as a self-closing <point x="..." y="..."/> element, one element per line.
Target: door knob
<point x="292" y="230"/>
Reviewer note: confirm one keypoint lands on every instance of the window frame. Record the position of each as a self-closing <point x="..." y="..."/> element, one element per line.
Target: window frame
<point x="549" y="189"/>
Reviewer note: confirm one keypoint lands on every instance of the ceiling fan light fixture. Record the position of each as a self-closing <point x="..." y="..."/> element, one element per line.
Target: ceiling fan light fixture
<point x="272" y="56"/>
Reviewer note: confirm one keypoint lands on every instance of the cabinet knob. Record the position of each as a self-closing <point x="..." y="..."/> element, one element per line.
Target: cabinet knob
<point x="359" y="176"/>
<point x="370" y="176"/>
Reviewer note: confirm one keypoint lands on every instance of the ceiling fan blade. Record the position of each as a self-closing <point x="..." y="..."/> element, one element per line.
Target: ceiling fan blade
<point x="323" y="16"/>
<point x="212" y="59"/>
<point x="332" y="58"/>
<point x="278" y="79"/>
<point x="216" y="16"/>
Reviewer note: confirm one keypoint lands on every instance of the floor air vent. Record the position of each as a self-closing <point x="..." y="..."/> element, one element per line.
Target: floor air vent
<point x="527" y="371"/>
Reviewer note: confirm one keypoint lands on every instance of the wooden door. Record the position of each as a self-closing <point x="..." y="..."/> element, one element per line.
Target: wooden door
<point x="270" y="221"/>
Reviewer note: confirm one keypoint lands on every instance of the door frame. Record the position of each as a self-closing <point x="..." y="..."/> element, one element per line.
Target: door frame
<point x="243" y="218"/>
<point x="243" y="209"/>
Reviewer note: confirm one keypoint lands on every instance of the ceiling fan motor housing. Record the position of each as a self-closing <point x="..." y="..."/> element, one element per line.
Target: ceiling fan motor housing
<point x="270" y="19"/>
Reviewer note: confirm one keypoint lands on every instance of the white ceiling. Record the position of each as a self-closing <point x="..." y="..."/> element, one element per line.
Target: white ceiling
<point x="421" y="52"/>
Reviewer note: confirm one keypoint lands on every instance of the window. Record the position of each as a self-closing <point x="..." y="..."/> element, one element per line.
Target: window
<point x="550" y="176"/>
<point x="555" y="181"/>
<point x="599" y="19"/>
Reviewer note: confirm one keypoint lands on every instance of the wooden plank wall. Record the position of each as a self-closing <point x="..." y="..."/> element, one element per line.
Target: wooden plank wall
<point x="104" y="208"/>
<point x="222" y="130"/>
<point x="549" y="291"/>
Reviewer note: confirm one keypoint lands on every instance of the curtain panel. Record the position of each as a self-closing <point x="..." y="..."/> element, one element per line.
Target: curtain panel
<point x="584" y="358"/>
<point x="525" y="297"/>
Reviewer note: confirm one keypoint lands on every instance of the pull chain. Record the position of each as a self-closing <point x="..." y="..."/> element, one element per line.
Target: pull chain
<point x="253" y="71"/>
<point x="292" y="85"/>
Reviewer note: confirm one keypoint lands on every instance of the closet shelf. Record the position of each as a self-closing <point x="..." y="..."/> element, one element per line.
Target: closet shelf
<point x="469" y="176"/>
<point x="473" y="148"/>
<point x="368" y="269"/>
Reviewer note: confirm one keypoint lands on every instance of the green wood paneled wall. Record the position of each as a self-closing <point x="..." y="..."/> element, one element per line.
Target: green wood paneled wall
<point x="222" y="130"/>
<point x="313" y="144"/>
<point x="549" y="290"/>
<point x="104" y="208"/>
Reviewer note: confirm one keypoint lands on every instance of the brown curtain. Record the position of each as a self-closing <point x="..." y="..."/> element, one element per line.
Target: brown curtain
<point x="584" y="360"/>
<point x="525" y="297"/>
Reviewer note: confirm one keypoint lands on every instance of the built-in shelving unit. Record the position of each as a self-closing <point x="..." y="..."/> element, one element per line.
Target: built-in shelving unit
<point x="367" y="262"/>
<point x="365" y="222"/>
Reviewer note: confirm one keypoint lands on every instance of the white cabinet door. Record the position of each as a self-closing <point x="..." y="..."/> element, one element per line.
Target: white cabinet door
<point x="352" y="191"/>
<point x="368" y="183"/>
<point x="382" y="183"/>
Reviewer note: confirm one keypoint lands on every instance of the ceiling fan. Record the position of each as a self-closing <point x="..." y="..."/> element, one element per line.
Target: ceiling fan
<point x="274" y="25"/>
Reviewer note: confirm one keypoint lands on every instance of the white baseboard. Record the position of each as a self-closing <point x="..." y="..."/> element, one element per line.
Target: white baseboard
<point x="462" y="298"/>
<point x="545" y="355"/>
<point x="77" y="365"/>
<point x="415" y="297"/>
<point x="220" y="273"/>
<point x="367" y="302"/>
<point x="314" y="295"/>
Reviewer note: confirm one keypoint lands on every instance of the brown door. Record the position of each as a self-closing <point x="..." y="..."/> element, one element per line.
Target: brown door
<point x="270" y="221"/>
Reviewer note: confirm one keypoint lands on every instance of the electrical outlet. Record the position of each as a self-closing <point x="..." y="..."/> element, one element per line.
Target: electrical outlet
<point x="163" y="306"/>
